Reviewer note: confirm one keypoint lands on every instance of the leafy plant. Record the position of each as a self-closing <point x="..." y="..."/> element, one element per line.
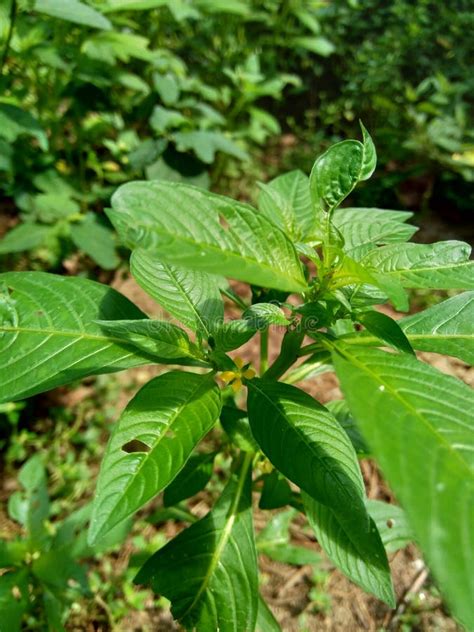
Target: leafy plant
<point x="340" y="263"/>
<point x="41" y="573"/>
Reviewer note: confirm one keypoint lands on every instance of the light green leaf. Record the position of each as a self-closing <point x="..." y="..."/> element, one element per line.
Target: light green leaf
<point x="14" y="122"/>
<point x="96" y="240"/>
<point x="205" y="144"/>
<point x="12" y="609"/>
<point x="210" y="233"/>
<point x="338" y="170"/>
<point x="165" y="341"/>
<point x="25" y="236"/>
<point x="209" y="571"/>
<point x="167" y="87"/>
<point x="391" y="523"/>
<point x="48" y="336"/>
<point x="443" y="265"/>
<point x="164" y="119"/>
<point x="444" y="328"/>
<point x="113" y="45"/>
<point x="164" y="422"/>
<point x="307" y="444"/>
<point x="266" y="621"/>
<point x="73" y="11"/>
<point x="191" y="296"/>
<point x="365" y="228"/>
<point x="194" y="476"/>
<point x="274" y="542"/>
<point x="286" y="201"/>
<point x="418" y="423"/>
<point x="319" y="45"/>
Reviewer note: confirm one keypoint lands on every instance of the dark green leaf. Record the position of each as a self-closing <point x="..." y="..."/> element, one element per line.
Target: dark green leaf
<point x="386" y="329"/>
<point x="193" y="477"/>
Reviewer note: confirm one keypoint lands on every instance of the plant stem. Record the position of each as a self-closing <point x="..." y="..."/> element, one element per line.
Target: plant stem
<point x="288" y="355"/>
<point x="263" y="351"/>
<point x="13" y="13"/>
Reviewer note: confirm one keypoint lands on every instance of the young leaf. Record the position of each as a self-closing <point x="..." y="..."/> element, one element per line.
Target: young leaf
<point x="418" y="423"/>
<point x="165" y="341"/>
<point x="444" y="328"/>
<point x="25" y="236"/>
<point x="191" y="296"/>
<point x="286" y="201"/>
<point x="48" y="336"/>
<point x="337" y="171"/>
<point x="365" y="228"/>
<point x="209" y="571"/>
<point x="386" y="329"/>
<point x="151" y="443"/>
<point x="366" y="568"/>
<point x="210" y="233"/>
<point x="306" y="443"/>
<point x="443" y="265"/>
<point x="193" y="477"/>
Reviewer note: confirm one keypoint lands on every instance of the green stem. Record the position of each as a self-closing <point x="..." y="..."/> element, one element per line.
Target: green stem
<point x="13" y="14"/>
<point x="263" y="351"/>
<point x="290" y="347"/>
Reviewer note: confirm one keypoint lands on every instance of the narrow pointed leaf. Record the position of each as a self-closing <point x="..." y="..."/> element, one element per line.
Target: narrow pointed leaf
<point x="190" y="296"/>
<point x="164" y="422"/>
<point x="193" y="477"/>
<point x="167" y="342"/>
<point x="387" y="329"/>
<point x="266" y="621"/>
<point x="209" y="571"/>
<point x="418" y="423"/>
<point x="443" y="265"/>
<point x="73" y="11"/>
<point x="200" y="230"/>
<point x="48" y="336"/>
<point x="307" y="444"/>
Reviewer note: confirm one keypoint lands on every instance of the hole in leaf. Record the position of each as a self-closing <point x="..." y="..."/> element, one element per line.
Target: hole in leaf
<point x="223" y="222"/>
<point x="135" y="445"/>
<point x="170" y="434"/>
<point x="390" y="523"/>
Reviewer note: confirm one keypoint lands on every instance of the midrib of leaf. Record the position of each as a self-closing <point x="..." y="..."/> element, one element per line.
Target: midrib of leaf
<point x="298" y="431"/>
<point x="66" y="334"/>
<point x="230" y="254"/>
<point x="450" y="266"/>
<point x="184" y="295"/>
<point x="373" y="341"/>
<point x="225" y="534"/>
<point x="170" y="423"/>
<point x="405" y="403"/>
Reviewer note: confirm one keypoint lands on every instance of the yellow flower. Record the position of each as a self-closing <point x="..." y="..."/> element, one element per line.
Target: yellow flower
<point x="234" y="378"/>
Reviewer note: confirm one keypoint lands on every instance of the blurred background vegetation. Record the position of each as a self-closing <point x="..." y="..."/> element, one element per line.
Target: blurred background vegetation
<point x="219" y="93"/>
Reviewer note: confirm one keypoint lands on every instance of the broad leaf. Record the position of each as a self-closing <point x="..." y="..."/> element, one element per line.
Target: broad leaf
<point x="152" y="441"/>
<point x="444" y="328"/>
<point x="190" y="227"/>
<point x="338" y="170"/>
<point x="443" y="265"/>
<point x="387" y="329"/>
<point x="276" y="492"/>
<point x="25" y="236"/>
<point x="209" y="571"/>
<point x="73" y="11"/>
<point x="165" y="341"/>
<point x="190" y="296"/>
<point x="306" y="443"/>
<point x="193" y="477"/>
<point x="418" y="423"/>
<point x="48" y="336"/>
<point x="286" y="201"/>
<point x="365" y="228"/>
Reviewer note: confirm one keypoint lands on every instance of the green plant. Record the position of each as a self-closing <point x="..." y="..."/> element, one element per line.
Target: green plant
<point x="340" y="263"/>
<point x="41" y="573"/>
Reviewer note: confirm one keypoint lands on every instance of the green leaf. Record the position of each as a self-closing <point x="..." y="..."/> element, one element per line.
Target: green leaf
<point x="14" y="122"/>
<point x="209" y="571"/>
<point x="286" y="201"/>
<point x="191" y="296"/>
<point x="13" y="607"/>
<point x="387" y="329"/>
<point x="418" y="423"/>
<point x="366" y="568"/>
<point x="96" y="240"/>
<point x="274" y="542"/>
<point x="163" y="340"/>
<point x="443" y="265"/>
<point x="194" y="476"/>
<point x="338" y="170"/>
<point x="25" y="236"/>
<point x="391" y="524"/>
<point x="266" y="622"/>
<point x="167" y="87"/>
<point x="48" y="336"/>
<point x="276" y="491"/>
<point x="205" y="145"/>
<point x="164" y="422"/>
<point x="365" y="228"/>
<point x="73" y="11"/>
<point x="319" y="45"/>
<point x="341" y="412"/>
<point x="263" y="315"/>
<point x="444" y="328"/>
<point x="236" y="424"/>
<point x="210" y="233"/>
